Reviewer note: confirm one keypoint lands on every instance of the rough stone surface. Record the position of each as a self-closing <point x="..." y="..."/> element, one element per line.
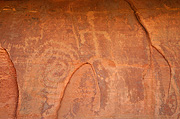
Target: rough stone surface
<point x="94" y="59"/>
<point x="8" y="87"/>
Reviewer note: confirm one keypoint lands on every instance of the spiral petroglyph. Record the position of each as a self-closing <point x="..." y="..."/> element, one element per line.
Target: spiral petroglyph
<point x="55" y="59"/>
<point x="90" y="59"/>
<point x="48" y="66"/>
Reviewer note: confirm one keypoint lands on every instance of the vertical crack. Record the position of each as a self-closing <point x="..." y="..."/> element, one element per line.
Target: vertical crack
<point x="13" y="82"/>
<point x="151" y="46"/>
<point x="17" y="103"/>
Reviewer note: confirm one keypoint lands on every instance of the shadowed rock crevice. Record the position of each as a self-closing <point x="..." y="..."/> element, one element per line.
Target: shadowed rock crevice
<point x="8" y="86"/>
<point x="151" y="46"/>
<point x="90" y="73"/>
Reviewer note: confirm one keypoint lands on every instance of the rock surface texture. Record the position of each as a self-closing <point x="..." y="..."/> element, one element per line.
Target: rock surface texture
<point x="8" y="87"/>
<point x="90" y="59"/>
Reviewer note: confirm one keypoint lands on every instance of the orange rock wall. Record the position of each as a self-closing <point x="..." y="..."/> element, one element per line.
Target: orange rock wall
<point x="8" y="87"/>
<point x="90" y="59"/>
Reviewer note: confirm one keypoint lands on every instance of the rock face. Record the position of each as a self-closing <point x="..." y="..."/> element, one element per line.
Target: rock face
<point x="8" y="87"/>
<point x="91" y="59"/>
<point x="82" y="97"/>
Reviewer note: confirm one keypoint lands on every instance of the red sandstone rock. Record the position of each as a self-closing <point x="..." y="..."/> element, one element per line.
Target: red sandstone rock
<point x="125" y="51"/>
<point x="8" y="87"/>
<point x="82" y="95"/>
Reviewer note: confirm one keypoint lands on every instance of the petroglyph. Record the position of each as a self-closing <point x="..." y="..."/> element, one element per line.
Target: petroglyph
<point x="92" y="59"/>
<point x="52" y="65"/>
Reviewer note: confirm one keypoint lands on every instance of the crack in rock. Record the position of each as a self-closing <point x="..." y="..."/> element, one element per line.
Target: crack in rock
<point x="151" y="46"/>
<point x="66" y="85"/>
<point x="9" y="91"/>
